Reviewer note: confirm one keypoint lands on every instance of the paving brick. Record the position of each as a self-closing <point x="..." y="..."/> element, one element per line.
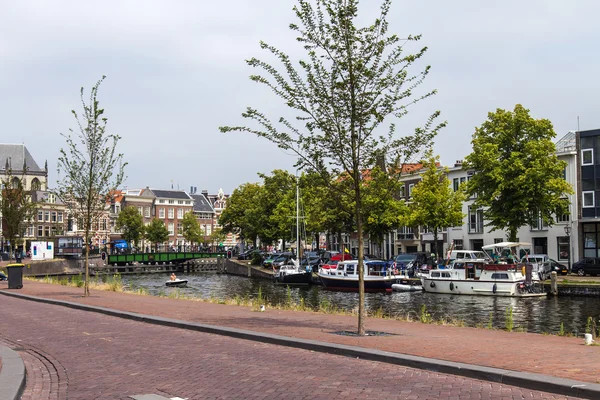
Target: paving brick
<point x="97" y="356"/>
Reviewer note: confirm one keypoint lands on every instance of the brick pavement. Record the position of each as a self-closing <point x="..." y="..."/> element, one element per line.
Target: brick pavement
<point x="96" y="356"/>
<point x="563" y="357"/>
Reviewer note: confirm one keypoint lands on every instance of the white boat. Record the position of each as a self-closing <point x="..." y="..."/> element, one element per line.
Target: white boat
<point x="477" y="278"/>
<point x="293" y="274"/>
<point x="177" y="282"/>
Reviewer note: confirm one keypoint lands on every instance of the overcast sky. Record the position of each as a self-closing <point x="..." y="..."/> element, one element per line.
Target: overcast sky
<point x="176" y="72"/>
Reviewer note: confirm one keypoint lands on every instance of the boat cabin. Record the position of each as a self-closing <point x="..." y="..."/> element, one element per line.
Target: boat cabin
<point x="371" y="268"/>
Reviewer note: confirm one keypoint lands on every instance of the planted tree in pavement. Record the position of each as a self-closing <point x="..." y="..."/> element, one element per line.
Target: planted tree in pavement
<point x="517" y="178"/>
<point x="347" y="92"/>
<point x="90" y="169"/>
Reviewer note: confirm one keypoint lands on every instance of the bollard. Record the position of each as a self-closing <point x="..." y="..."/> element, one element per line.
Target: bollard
<point x="588" y="339"/>
<point x="553" y="283"/>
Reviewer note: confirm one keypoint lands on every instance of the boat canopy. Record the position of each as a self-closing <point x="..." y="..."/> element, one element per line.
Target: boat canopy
<point x="502" y="245"/>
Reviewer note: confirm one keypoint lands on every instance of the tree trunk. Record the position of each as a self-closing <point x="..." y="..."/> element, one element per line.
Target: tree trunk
<point x="435" y="244"/>
<point x="340" y="244"/>
<point x="86" y="286"/>
<point x="361" y="267"/>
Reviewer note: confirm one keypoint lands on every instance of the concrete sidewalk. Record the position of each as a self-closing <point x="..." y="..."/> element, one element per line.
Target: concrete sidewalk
<point x="556" y="364"/>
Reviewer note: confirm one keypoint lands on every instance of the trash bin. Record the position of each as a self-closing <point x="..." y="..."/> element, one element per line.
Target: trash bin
<point x="15" y="276"/>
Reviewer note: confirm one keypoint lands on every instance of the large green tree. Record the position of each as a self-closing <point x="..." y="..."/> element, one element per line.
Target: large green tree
<point x="384" y="210"/>
<point x="345" y="94"/>
<point x="16" y="209"/>
<point x="131" y="224"/>
<point x="518" y="177"/>
<point x="243" y="215"/>
<point x="90" y="169"/>
<point x="192" y="232"/>
<point x="434" y="203"/>
<point x="278" y="202"/>
<point x="156" y="232"/>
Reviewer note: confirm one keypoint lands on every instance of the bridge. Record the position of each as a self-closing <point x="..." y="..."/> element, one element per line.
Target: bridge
<point x="159" y="258"/>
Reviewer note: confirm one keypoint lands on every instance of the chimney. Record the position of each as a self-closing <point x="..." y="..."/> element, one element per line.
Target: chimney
<point x="205" y="192"/>
<point x="458" y="163"/>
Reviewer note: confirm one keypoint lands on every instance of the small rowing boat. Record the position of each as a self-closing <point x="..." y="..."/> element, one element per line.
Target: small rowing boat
<point x="177" y="282"/>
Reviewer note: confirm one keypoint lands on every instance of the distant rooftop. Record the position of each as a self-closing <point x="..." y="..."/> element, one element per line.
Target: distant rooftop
<point x="15" y="155"/>
<point x="566" y="143"/>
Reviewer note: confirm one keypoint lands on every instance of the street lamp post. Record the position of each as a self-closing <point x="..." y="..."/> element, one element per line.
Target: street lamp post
<point x="568" y="232"/>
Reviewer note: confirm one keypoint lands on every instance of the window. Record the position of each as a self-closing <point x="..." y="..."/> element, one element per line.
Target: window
<point x="538" y="224"/>
<point x="104" y="224"/>
<point x="435" y="274"/>
<point x="51" y="197"/>
<point x="161" y="201"/>
<point x="563" y="248"/>
<point x="475" y="220"/>
<point x="179" y="229"/>
<point x="179" y="213"/>
<point x="35" y="185"/>
<point x="188" y="202"/>
<point x="171" y="213"/>
<point x="171" y="228"/>
<point x="403" y="191"/>
<point x="53" y="216"/>
<point x="59" y="216"/>
<point x="587" y="157"/>
<point x="563" y="218"/>
<point x="30" y="231"/>
<point x="147" y="212"/>
<point x="40" y="215"/>
<point x="40" y="231"/>
<point x="46" y="231"/>
<point x="171" y="201"/>
<point x="498" y="240"/>
<point x="455" y="184"/>
<point x="405" y="233"/>
<point x="161" y="213"/>
<point x="140" y="210"/>
<point x="588" y="199"/>
<point x="179" y="201"/>
<point x="208" y="230"/>
<point x="500" y="276"/>
<point x="458" y="244"/>
<point x="410" y="189"/>
<point x="47" y="216"/>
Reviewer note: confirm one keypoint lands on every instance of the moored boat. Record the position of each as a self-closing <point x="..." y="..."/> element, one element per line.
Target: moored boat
<point x="292" y="274"/>
<point x="478" y="278"/>
<point x="377" y="276"/>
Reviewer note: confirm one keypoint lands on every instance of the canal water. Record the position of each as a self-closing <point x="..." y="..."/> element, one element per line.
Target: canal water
<point x="539" y="315"/>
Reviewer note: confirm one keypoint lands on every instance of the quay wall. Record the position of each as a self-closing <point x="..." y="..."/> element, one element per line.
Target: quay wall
<point x="244" y="269"/>
<point x="575" y="290"/>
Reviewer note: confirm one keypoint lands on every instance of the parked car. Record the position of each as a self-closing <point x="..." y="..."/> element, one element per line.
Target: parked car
<point x="314" y="263"/>
<point x="269" y="259"/>
<point x="410" y="262"/>
<point x="541" y="264"/>
<point x="281" y="260"/>
<point x="587" y="266"/>
<point x="246" y="255"/>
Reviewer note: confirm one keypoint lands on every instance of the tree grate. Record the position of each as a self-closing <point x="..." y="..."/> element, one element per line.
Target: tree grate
<point x="367" y="333"/>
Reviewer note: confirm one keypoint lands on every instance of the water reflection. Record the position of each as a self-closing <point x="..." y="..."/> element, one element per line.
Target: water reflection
<point x="533" y="314"/>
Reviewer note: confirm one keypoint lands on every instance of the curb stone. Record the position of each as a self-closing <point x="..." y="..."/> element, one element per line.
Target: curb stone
<point x="526" y="380"/>
<point x="12" y="374"/>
